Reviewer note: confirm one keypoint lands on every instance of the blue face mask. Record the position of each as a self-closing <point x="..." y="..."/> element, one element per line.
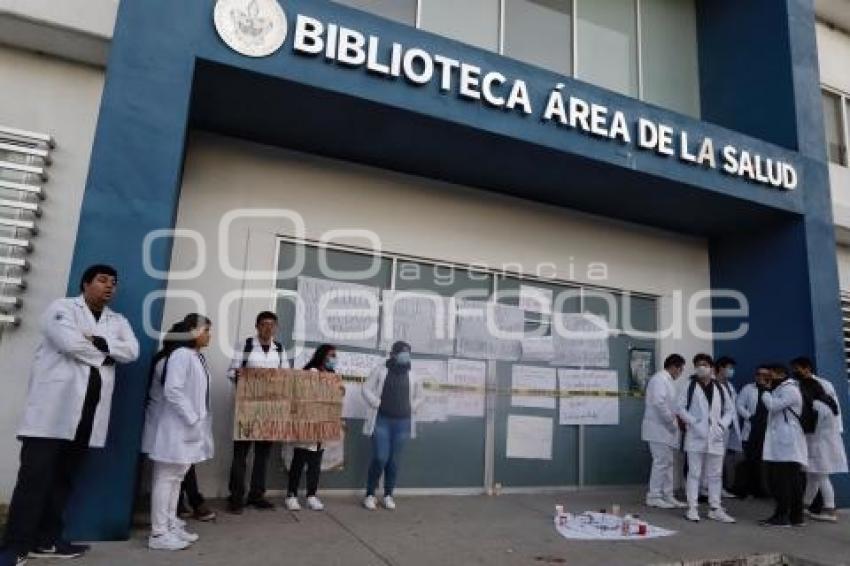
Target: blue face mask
<point x="730" y="373"/>
<point x="403" y="358"/>
<point x="330" y="363"/>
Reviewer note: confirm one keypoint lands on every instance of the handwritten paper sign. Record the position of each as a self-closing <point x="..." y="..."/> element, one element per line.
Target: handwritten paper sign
<point x="600" y="405"/>
<point x="336" y="312"/>
<point x="288" y="405"/>
<point x="580" y="340"/>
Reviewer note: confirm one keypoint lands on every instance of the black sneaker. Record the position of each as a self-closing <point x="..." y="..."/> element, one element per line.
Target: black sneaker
<point x="775" y="522"/>
<point x="235" y="507"/>
<point x="261" y="503"/>
<point x="59" y="549"/>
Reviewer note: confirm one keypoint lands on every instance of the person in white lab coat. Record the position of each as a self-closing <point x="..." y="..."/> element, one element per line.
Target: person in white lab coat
<point x="393" y="394"/>
<point x="660" y="430"/>
<point x="825" y="445"/>
<point x="67" y="410"/>
<point x="310" y="455"/>
<point x="785" y="452"/>
<point x="258" y="351"/>
<point x="182" y="433"/>
<point x="707" y="413"/>
<point x="724" y="370"/>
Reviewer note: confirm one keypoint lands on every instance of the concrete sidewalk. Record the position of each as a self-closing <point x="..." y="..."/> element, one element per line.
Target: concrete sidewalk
<point x="504" y="530"/>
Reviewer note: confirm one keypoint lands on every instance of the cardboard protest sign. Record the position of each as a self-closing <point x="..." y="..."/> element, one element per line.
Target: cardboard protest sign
<point x="288" y="406"/>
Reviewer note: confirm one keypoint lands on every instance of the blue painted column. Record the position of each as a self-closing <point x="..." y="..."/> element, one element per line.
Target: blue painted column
<point x="132" y="189"/>
<point x="759" y="75"/>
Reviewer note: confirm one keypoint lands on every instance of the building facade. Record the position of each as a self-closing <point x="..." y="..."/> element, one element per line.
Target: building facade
<point x="621" y="155"/>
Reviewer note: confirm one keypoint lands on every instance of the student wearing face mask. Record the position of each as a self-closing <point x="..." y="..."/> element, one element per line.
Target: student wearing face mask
<point x="310" y="455"/>
<point x="785" y="452"/>
<point x="823" y="427"/>
<point x="393" y="394"/>
<point x="724" y="370"/>
<point x="707" y="412"/>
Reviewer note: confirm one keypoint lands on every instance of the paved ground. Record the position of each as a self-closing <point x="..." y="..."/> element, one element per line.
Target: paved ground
<point x="504" y="530"/>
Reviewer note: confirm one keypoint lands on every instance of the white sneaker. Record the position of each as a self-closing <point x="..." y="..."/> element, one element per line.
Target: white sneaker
<point x="181" y="533"/>
<point x="314" y="503"/>
<point x="370" y="503"/>
<point x="659" y="503"/>
<point x="721" y="515"/>
<point x="692" y="514"/>
<point x="292" y="504"/>
<point x="168" y="541"/>
<point x="728" y="495"/>
<point x="676" y="503"/>
<point x="389" y="502"/>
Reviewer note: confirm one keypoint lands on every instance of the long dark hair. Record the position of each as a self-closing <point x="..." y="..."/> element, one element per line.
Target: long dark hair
<point x="317" y="361"/>
<point x="178" y="336"/>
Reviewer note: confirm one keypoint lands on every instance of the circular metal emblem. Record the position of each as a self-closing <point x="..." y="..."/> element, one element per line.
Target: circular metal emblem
<point x="256" y="28"/>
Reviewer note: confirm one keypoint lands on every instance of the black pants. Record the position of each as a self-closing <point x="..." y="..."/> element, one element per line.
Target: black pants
<point x="189" y="491"/>
<point x="786" y="485"/>
<point x="45" y="479"/>
<point x="239" y="468"/>
<point x="313" y="461"/>
<point x="749" y="477"/>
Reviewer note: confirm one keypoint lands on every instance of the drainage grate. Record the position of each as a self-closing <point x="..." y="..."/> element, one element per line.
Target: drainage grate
<point x="753" y="560"/>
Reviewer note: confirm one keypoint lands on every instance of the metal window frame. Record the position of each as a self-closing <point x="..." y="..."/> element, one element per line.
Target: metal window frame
<point x="844" y="125"/>
<point x="21" y="205"/>
<point x="28" y="169"/>
<point x="23" y="187"/>
<point x="18" y="223"/>
<point x="26" y="150"/>
<point x="25" y="135"/>
<point x="490" y="401"/>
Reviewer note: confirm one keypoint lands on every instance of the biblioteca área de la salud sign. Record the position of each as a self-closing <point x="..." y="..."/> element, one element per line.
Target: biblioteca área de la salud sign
<point x="351" y="48"/>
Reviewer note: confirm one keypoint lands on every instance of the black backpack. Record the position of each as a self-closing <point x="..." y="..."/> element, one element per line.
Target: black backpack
<point x="808" y="416"/>
<point x="717" y="387"/>
<point x="249" y="347"/>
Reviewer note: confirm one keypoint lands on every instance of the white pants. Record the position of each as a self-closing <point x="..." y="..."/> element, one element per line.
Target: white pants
<point x="815" y="482"/>
<point x="711" y="465"/>
<point x="165" y="494"/>
<point x="661" y="478"/>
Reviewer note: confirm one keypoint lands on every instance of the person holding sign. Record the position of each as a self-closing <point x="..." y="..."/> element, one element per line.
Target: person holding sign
<point x="660" y="429"/>
<point x="258" y="351"/>
<point x="393" y="394"/>
<point x="310" y="455"/>
<point x="707" y="411"/>
<point x="181" y="434"/>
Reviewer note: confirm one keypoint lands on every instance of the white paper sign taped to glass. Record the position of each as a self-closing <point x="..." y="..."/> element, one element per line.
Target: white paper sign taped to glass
<point x="535" y="299"/>
<point x="489" y="331"/>
<point x="435" y="406"/>
<point x="527" y="381"/>
<point x="349" y="364"/>
<point x="424" y="320"/>
<point x="529" y="438"/>
<point x="580" y="339"/>
<point x="594" y="409"/>
<point x="471" y="374"/>
<point x="336" y="312"/>
<point x="538" y="349"/>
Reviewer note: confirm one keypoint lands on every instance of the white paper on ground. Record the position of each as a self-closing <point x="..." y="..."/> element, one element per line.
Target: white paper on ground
<point x="590" y="410"/>
<point x="467" y="373"/>
<point x="529" y="437"/>
<point x="603" y="526"/>
<point x="537" y="379"/>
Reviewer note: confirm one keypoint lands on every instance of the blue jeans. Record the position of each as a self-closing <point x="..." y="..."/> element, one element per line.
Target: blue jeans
<point x="388" y="440"/>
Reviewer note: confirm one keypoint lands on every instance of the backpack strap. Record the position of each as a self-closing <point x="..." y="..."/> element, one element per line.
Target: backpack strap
<point x="691" y="388"/>
<point x="279" y="349"/>
<point x="246" y="351"/>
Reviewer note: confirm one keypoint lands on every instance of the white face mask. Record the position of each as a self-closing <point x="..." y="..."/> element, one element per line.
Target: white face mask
<point x="703" y="372"/>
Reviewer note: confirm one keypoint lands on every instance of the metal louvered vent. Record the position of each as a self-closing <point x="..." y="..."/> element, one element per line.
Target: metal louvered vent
<point x="24" y="159"/>
<point x="845" y="318"/>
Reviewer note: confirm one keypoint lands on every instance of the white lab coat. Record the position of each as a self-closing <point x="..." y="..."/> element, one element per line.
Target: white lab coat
<point x="373" y="389"/>
<point x="746" y="404"/>
<point x="183" y="430"/>
<point x="706" y="425"/>
<point x="60" y="371"/>
<point x="659" y="415"/>
<point x="784" y="440"/>
<point x="825" y="445"/>
<point x="256" y="358"/>
<point x="734" y="438"/>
